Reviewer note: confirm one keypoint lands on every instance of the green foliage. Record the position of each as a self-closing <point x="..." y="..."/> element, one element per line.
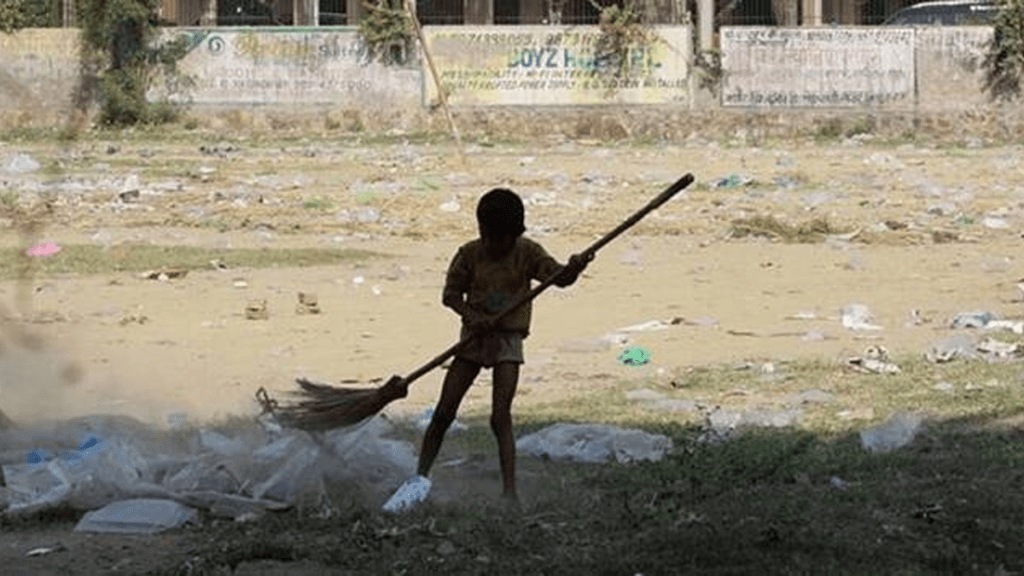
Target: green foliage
<point x="17" y="14"/>
<point x="625" y="43"/>
<point x="120" y="48"/>
<point x="387" y="31"/>
<point x="708" y="64"/>
<point x="1004" y="63"/>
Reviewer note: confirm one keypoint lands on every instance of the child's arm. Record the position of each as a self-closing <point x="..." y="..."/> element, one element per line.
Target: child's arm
<point x="569" y="273"/>
<point x="453" y="296"/>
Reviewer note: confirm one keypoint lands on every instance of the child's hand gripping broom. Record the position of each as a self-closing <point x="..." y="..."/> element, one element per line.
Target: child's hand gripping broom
<point x="326" y="407"/>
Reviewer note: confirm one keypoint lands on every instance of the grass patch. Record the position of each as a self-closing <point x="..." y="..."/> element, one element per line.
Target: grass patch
<point x="87" y="259"/>
<point x="809" y="232"/>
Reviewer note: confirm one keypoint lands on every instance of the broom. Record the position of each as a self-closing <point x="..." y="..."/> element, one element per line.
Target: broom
<point x="325" y="407"/>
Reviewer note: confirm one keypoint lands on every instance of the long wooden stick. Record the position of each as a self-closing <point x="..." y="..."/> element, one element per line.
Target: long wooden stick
<point x="437" y="79"/>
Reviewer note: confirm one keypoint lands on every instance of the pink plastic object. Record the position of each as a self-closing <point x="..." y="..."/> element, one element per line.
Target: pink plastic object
<point x="44" y="249"/>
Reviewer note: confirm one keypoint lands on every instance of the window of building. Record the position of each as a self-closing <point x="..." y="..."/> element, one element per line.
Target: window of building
<point x="333" y="12"/>
<point x="440" y="12"/>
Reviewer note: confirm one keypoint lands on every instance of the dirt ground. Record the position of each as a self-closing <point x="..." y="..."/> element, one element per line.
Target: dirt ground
<point x="197" y="354"/>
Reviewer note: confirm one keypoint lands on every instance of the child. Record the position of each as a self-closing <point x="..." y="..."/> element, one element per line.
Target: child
<point x="485" y="276"/>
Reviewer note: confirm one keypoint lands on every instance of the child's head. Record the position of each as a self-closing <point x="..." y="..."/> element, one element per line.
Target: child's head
<point x="500" y="216"/>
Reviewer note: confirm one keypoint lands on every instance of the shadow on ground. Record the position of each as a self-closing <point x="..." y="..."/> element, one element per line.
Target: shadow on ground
<point x="766" y="502"/>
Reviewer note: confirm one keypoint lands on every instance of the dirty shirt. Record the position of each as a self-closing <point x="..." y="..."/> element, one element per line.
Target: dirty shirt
<point x="491" y="285"/>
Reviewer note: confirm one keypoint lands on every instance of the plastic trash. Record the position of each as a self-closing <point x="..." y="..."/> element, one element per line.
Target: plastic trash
<point x="594" y="443"/>
<point x="138" y="516"/>
<point x="896" y="432"/>
<point x="635" y="356"/>
<point x="21" y="164"/>
<point x="409" y="494"/>
<point x="857" y="317"/>
<point x="956" y="346"/>
<point x="221" y="444"/>
<point x="293" y="480"/>
<point x="428" y="414"/>
<point x="978" y="319"/>
<point x="43" y="250"/>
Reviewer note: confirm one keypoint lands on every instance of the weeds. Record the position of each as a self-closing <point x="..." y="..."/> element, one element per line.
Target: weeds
<point x="1004" y="61"/>
<point x="809" y="232"/>
<point x="84" y="259"/>
<point x="387" y="31"/>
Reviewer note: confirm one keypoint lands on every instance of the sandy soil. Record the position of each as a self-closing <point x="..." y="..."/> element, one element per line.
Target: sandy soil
<point x="198" y="355"/>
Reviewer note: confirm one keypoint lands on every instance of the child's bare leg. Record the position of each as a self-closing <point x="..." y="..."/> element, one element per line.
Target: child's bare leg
<point x="506" y="378"/>
<point x="457" y="381"/>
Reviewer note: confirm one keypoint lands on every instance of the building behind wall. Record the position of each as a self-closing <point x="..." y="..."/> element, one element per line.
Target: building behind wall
<point x="510" y="12"/>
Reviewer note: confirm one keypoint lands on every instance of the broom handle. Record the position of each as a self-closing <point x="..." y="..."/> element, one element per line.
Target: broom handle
<point x="651" y="206"/>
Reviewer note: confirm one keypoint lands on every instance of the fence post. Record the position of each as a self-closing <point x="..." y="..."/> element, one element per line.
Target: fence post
<point x="706" y="23"/>
<point x="811" y="13"/>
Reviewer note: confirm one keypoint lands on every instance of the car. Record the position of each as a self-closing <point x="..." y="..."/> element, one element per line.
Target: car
<point x="945" y="13"/>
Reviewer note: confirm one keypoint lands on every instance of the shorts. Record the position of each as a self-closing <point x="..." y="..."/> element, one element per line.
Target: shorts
<point x="493" y="348"/>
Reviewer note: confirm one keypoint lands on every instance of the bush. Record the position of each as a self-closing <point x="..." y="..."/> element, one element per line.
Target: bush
<point x="1004" y="62"/>
<point x="17" y="14"/>
<point x="119" y="47"/>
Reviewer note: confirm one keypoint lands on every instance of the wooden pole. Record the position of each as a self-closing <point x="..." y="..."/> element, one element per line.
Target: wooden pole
<point x="437" y="79"/>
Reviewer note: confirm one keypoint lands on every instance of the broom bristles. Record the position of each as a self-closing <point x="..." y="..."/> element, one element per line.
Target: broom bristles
<point x="326" y="407"/>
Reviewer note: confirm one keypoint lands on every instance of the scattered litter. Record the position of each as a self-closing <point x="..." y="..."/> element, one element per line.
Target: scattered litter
<point x="1015" y="327"/>
<point x="594" y="443"/>
<point x="916" y="319"/>
<point x="412" y="492"/>
<point x="995" y="223"/>
<point x="958" y="346"/>
<point x="245" y="472"/>
<point x="376" y="290"/>
<point x="164" y="274"/>
<point x="240" y="284"/>
<point x="857" y="317"/>
<point x="21" y="164"/>
<point x="257" y="310"/>
<point x="428" y="414"/>
<point x="649" y="326"/>
<point x="138" y="516"/>
<point x="733" y="181"/>
<point x="358" y="280"/>
<point x="635" y="356"/>
<point x="45" y="550"/>
<point x="219" y="265"/>
<point x="451" y="206"/>
<point x="874" y="361"/>
<point x="896" y="432"/>
<point x="43" y="250"/>
<point x="972" y="320"/>
<point x="308" y="304"/>
<point x="838" y="482"/>
<point x="720" y="424"/>
<point x="996" y="350"/>
<point x="943" y="387"/>
<point x="803" y="316"/>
